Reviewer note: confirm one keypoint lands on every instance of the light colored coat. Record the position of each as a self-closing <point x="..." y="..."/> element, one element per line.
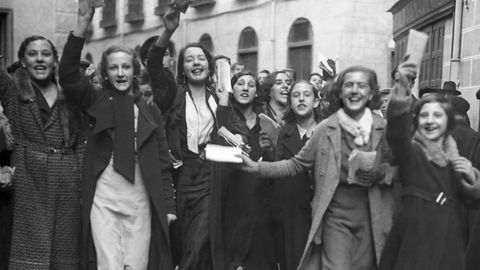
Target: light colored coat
<point x="322" y="153"/>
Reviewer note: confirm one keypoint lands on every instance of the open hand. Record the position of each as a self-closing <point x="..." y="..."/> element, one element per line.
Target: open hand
<point x="84" y="19"/>
<point x="171" y="20"/>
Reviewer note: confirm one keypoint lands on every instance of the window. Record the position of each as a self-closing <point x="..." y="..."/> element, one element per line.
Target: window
<point x="6" y="38"/>
<point x="135" y="11"/>
<point x="430" y="74"/>
<point x="206" y="42"/>
<point x="108" y="19"/>
<point x="431" y="68"/>
<point x="300" y="48"/>
<point x="248" y="49"/>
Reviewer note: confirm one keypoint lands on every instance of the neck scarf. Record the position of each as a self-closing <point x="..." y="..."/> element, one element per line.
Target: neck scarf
<point x="360" y="129"/>
<point x="124" y="136"/>
<point x="440" y="155"/>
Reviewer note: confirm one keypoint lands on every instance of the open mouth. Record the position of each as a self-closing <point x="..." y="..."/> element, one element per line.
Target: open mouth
<point x="121" y="81"/>
<point x="245" y="95"/>
<point x="301" y="106"/>
<point x="40" y="68"/>
<point x="197" y="71"/>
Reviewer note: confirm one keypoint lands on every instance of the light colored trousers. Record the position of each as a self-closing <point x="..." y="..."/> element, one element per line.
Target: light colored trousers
<point x="121" y="221"/>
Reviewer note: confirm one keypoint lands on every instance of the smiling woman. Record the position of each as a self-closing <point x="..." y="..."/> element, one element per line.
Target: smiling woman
<point x="47" y="154"/>
<point x="351" y="215"/>
<point x="127" y="189"/>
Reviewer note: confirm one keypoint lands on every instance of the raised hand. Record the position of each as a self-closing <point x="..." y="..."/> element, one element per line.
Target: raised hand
<point x="84" y="18"/>
<point x="407" y="72"/>
<point x="171" y="19"/>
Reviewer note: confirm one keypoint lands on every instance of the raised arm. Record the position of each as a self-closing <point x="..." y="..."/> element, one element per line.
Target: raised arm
<point x="76" y="86"/>
<point x="163" y="82"/>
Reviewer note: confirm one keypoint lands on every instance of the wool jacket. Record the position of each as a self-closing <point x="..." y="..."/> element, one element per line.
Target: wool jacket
<point x="322" y="153"/>
<point x="152" y="152"/>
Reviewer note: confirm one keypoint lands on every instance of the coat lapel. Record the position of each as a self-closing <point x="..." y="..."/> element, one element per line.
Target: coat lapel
<point x="333" y="134"/>
<point x="378" y="129"/>
<point x="101" y="111"/>
<point x="146" y="124"/>
<point x="293" y="142"/>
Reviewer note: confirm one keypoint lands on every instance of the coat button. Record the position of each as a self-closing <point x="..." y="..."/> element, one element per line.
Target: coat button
<point x="322" y="173"/>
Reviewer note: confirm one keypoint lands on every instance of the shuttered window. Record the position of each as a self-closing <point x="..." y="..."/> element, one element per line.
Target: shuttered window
<point x="300" y="42"/>
<point x="248" y="49"/>
<point x="108" y="13"/>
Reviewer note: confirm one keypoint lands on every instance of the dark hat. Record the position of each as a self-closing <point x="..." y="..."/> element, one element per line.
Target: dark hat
<point x="460" y="105"/>
<point x="430" y="90"/>
<point x="145" y="47"/>
<point x="84" y="64"/>
<point x="451" y="88"/>
<point x="478" y="94"/>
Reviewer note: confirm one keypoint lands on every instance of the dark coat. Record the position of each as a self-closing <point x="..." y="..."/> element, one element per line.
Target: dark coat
<point x="170" y="98"/>
<point x="426" y="235"/>
<point x="152" y="152"/>
<point x="291" y="201"/>
<point x="249" y="240"/>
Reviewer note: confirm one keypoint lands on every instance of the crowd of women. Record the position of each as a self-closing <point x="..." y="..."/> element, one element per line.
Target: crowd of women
<point x="105" y="177"/>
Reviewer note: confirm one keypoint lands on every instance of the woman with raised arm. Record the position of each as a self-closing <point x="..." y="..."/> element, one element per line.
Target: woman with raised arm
<point x="194" y="112"/>
<point x="127" y="189"/>
<point x="427" y="233"/>
<point x="47" y="154"/>
<point x="352" y="213"/>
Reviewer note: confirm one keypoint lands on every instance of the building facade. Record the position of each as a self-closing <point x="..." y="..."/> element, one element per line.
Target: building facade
<point x="262" y="34"/>
<point x="453" y="49"/>
<point x="19" y="19"/>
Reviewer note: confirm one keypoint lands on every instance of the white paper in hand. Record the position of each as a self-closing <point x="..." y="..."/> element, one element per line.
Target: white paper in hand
<point x="222" y="68"/>
<point x="220" y="153"/>
<point x="360" y="160"/>
<point x="416" y="46"/>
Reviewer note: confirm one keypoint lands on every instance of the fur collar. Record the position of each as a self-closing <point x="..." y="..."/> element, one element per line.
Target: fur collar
<point x="441" y="157"/>
<point x="25" y="90"/>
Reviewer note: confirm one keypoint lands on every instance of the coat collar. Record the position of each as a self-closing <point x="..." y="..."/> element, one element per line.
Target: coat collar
<point x="334" y="133"/>
<point x="293" y="142"/>
<point x="101" y="112"/>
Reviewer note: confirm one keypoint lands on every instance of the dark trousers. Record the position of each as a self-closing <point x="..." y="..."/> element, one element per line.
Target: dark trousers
<point x="192" y="209"/>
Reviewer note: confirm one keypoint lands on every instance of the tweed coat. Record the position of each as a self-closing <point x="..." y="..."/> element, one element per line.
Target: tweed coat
<point x="322" y="154"/>
<point x="152" y="153"/>
<point x="46" y="223"/>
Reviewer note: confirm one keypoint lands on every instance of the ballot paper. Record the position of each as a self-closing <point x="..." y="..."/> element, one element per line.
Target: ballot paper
<point x="220" y="153"/>
<point x="85" y="5"/>
<point x="323" y="64"/>
<point x="360" y="160"/>
<point x="269" y="126"/>
<point x="416" y="46"/>
<point x="222" y="68"/>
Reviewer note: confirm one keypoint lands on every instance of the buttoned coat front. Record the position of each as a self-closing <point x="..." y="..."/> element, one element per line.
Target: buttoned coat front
<point x="322" y="154"/>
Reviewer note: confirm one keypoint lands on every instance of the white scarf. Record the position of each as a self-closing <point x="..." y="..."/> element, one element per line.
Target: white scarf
<point x="200" y="122"/>
<point x="360" y="129"/>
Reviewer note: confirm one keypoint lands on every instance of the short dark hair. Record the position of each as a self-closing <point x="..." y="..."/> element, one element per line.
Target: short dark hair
<point x="28" y="40"/>
<point x="264" y="71"/>
<point x="435" y="98"/>
<point x="314" y="74"/>
<point x="181" y="79"/>
<point x="268" y="84"/>
<point x="257" y="101"/>
<point x="290" y="117"/>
